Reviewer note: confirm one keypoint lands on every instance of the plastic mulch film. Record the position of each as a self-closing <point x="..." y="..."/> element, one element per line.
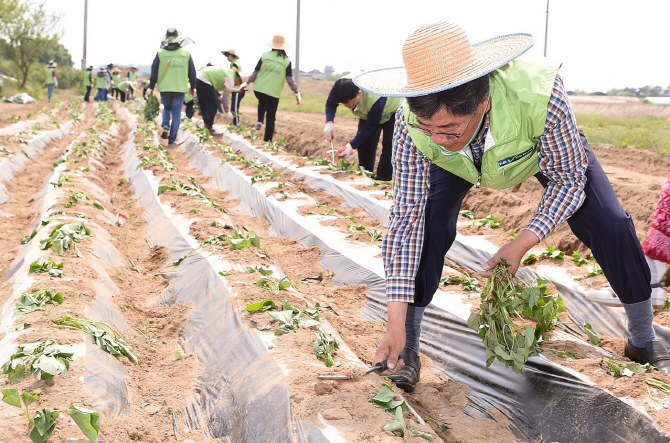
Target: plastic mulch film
<point x="241" y="394"/>
<point x="548" y="400"/>
<point x="14" y="163"/>
<point x="104" y="379"/>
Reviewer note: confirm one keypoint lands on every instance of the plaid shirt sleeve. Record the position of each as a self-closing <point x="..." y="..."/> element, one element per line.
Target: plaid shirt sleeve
<point x="563" y="161"/>
<point x="401" y="248"/>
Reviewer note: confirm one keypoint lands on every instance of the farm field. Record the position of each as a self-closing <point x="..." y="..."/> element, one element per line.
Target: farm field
<point x="230" y="266"/>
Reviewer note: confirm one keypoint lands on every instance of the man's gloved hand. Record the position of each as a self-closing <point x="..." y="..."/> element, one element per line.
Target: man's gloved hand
<point x="329" y="130"/>
<point x="192" y="92"/>
<point x="243" y="86"/>
<point x="55" y="83"/>
<point x="229" y="115"/>
<point x="297" y="98"/>
<point x="345" y="150"/>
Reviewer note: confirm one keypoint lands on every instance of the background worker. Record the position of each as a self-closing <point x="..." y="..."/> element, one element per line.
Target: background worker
<point x="131" y="76"/>
<point x="102" y="82"/>
<point x="237" y="96"/>
<point x="480" y="116"/>
<point x="173" y="71"/>
<point x="271" y="70"/>
<point x="374" y="115"/>
<point x="116" y="80"/>
<point x="124" y="87"/>
<point x="211" y="80"/>
<point x="51" y="80"/>
<point x="88" y="82"/>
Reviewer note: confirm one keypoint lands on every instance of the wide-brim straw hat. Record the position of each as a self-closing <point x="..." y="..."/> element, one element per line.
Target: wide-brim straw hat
<point x="439" y="56"/>
<point x="279" y="42"/>
<point x="133" y="68"/>
<point x="174" y="36"/>
<point x="229" y="52"/>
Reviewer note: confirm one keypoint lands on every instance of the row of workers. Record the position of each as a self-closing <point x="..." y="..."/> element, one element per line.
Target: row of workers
<point x="108" y="80"/>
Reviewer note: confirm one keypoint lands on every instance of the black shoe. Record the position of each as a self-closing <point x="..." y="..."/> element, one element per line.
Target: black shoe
<point x="407" y="378"/>
<point x="164" y="134"/>
<point x="653" y="352"/>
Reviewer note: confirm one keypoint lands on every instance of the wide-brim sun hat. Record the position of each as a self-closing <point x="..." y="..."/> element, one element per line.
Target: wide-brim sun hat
<point x="229" y="52"/>
<point x="173" y="36"/>
<point x="279" y="42"/>
<point x="439" y="56"/>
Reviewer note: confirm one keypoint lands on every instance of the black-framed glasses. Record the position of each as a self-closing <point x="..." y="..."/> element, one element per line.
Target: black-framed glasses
<point x="447" y="135"/>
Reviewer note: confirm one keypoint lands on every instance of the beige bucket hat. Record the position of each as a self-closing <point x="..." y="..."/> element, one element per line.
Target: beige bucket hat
<point x="229" y="52"/>
<point x="439" y="56"/>
<point x="279" y="42"/>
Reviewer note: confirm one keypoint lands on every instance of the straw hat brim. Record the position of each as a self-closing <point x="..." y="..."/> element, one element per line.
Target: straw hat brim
<point x="285" y="45"/>
<point x="489" y="56"/>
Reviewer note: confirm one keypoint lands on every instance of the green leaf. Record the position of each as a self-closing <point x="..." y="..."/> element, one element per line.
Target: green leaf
<point x="591" y="334"/>
<point x="11" y="397"/>
<point x="45" y="422"/>
<point x="87" y="420"/>
<point x="29" y="397"/>
<point x="397" y="426"/>
<point x="419" y="433"/>
<point x="265" y="305"/>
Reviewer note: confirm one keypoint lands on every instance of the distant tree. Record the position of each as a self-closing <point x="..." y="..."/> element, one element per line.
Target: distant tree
<point x="656" y="91"/>
<point x="57" y="53"/>
<point x="27" y="31"/>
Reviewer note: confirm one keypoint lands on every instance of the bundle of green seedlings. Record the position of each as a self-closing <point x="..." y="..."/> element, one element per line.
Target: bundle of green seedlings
<point x="104" y="335"/>
<point x="503" y="298"/>
<point x="37" y="301"/>
<point x="64" y="235"/>
<point x="47" y="265"/>
<point x="44" y="421"/>
<point x="193" y="190"/>
<point x="150" y="109"/>
<point x="43" y="359"/>
<point x="392" y="402"/>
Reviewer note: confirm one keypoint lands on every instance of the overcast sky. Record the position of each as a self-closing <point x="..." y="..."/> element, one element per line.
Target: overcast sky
<point x="602" y="44"/>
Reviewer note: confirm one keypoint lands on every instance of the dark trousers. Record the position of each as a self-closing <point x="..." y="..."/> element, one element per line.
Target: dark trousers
<point x="267" y="111"/>
<point x="189" y="109"/>
<point x="235" y="106"/>
<point x="131" y="93"/>
<point x="209" y="103"/>
<point x="87" y="96"/>
<point x="367" y="152"/>
<point x="601" y="223"/>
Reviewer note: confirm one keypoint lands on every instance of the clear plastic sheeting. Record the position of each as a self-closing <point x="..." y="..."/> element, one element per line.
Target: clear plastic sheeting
<point x="240" y="394"/>
<point x="548" y="401"/>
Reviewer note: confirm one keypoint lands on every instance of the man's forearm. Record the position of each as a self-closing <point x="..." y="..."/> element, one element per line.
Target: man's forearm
<point x="397" y="311"/>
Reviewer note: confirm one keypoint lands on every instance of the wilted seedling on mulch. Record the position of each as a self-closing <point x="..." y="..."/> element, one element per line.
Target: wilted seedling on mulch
<point x="386" y="399"/>
<point x="467" y="214"/>
<point x="30" y="236"/>
<point x="272" y="284"/>
<point x="255" y="268"/>
<point x="490" y="221"/>
<point x="265" y="305"/>
<point x="577" y="259"/>
<point x="468" y="283"/>
<point x="61" y="180"/>
<point x="64" y="235"/>
<point x="621" y="369"/>
<point x="37" y="301"/>
<point x="240" y="241"/>
<point x="363" y="171"/>
<point x="162" y="159"/>
<point x="44" y="422"/>
<point x="595" y="270"/>
<point x="564" y="354"/>
<point x="46" y="265"/>
<point x="375" y="235"/>
<point x="355" y="226"/>
<point x="330" y="210"/>
<point x="343" y="165"/>
<point x="290" y="319"/>
<point x="552" y="252"/>
<point x="382" y="182"/>
<point x="43" y="359"/>
<point x="212" y="240"/>
<point x="279" y="145"/>
<point x="264" y="176"/>
<point x="281" y="185"/>
<point x="529" y="259"/>
<point x="591" y="334"/>
<point x="324" y="348"/>
<point x="503" y="298"/>
<point x="104" y="335"/>
<point x="661" y="386"/>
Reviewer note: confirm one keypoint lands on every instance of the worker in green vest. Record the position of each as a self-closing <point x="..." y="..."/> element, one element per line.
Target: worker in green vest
<point x="124" y="87"/>
<point x="116" y="79"/>
<point x="236" y="96"/>
<point x="271" y="70"/>
<point x="173" y="72"/>
<point x="481" y="115"/>
<point x="88" y="82"/>
<point x="376" y="117"/>
<point x="131" y="76"/>
<point x="102" y="82"/>
<point x="211" y="81"/>
<point x="51" y="80"/>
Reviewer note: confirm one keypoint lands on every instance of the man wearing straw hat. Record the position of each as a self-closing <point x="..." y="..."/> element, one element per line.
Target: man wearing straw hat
<point x="237" y="95"/>
<point x="51" y="80"/>
<point x="173" y="70"/>
<point x="131" y="76"/>
<point x="477" y="115"/>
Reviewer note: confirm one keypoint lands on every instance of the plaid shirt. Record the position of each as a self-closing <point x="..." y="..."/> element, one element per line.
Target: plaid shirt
<point x="561" y="158"/>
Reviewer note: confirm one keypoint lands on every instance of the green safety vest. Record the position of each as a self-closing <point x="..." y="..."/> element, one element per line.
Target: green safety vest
<point x="368" y="100"/>
<point x="173" y="70"/>
<point x="216" y="75"/>
<point x="87" y="78"/>
<point x="520" y="93"/>
<point x="188" y="97"/>
<point x="132" y="76"/>
<point x="270" y="79"/>
<point x="115" y="80"/>
<point x="235" y="66"/>
<point x="123" y="85"/>
<point x="50" y="76"/>
<point x="100" y="80"/>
